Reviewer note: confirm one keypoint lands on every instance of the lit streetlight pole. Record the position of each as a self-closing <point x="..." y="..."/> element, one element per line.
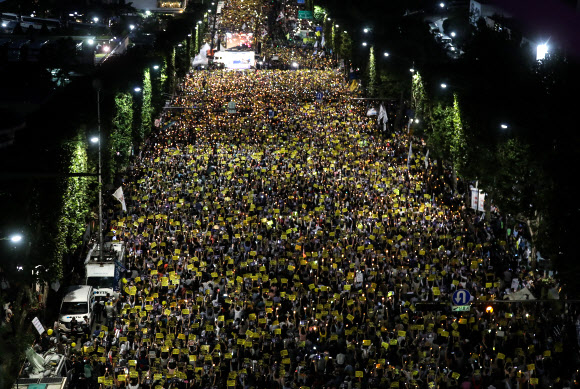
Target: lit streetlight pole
<point x="15" y="238"/>
<point x="99" y="172"/>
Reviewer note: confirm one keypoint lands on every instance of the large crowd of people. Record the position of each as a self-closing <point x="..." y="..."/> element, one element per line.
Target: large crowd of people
<point x="291" y="244"/>
<point x="277" y="239"/>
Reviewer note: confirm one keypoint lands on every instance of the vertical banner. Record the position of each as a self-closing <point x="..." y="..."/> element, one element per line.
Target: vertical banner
<point x="477" y="199"/>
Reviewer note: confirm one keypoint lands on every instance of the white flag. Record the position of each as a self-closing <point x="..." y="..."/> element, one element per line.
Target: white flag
<point x="383" y="115"/>
<point x="427" y="159"/>
<point x="316" y="44"/>
<point x="322" y="42"/>
<point x="281" y="16"/>
<point x="371" y="112"/>
<point x="119" y="196"/>
<point x="410" y="154"/>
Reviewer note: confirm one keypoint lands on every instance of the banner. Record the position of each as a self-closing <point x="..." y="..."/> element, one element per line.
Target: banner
<point x="477" y="199"/>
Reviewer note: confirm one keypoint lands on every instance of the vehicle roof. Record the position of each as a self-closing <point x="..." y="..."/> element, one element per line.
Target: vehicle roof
<point x="77" y="293"/>
<point x="100" y="269"/>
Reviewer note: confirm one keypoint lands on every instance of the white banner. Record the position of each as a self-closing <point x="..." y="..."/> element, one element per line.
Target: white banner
<point x="477" y="199"/>
<point x="39" y="327"/>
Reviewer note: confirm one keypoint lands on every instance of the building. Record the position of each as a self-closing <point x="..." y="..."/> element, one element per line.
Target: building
<point x="160" y="6"/>
<point x="498" y="19"/>
<point x="485" y="9"/>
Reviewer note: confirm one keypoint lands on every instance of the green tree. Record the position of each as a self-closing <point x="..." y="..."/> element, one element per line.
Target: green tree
<point x="419" y="99"/>
<point x="319" y="14"/>
<point x="121" y="132"/>
<point x="371" y="73"/>
<point x="345" y="48"/>
<point x="146" y="109"/>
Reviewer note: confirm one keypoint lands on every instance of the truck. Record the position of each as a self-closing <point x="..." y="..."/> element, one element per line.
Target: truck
<point x="48" y="371"/>
<point x="104" y="274"/>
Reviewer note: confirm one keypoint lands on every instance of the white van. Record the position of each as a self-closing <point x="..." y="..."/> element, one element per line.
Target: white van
<point x="78" y="303"/>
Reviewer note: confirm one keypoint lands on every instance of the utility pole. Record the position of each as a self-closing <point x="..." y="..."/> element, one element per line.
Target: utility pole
<point x="101" y="248"/>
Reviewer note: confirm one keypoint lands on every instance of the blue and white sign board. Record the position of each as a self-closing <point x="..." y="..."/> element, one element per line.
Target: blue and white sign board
<point x="461" y="297"/>
<point x="319" y="97"/>
<point x="300" y="1"/>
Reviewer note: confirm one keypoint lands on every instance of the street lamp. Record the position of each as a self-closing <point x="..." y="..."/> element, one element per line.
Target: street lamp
<point x="412" y="70"/>
<point x="329" y="19"/>
<point x="443" y="85"/>
<point x="442" y="5"/>
<point x="14" y="238"/>
<point x="295" y="65"/>
<point x="364" y="44"/>
<point x="156" y="67"/>
<point x="386" y="54"/>
<point x="131" y="27"/>
<point x="541" y="51"/>
<point x="504" y="126"/>
<point x="96" y="19"/>
<point x="366" y="30"/>
<point x="336" y="25"/>
<point x="137" y="89"/>
<point x="97" y="140"/>
<point x="453" y="34"/>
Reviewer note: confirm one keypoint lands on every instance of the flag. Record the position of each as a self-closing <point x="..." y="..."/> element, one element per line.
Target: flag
<point x="322" y="42"/>
<point x="371" y="112"/>
<point x="281" y="16"/>
<point x="383" y="114"/>
<point x="427" y="159"/>
<point x="410" y="154"/>
<point x="316" y="44"/>
<point x="119" y="196"/>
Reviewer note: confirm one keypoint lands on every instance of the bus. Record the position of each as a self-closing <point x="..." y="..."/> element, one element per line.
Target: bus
<point x="26" y="22"/>
<point x="8" y="17"/>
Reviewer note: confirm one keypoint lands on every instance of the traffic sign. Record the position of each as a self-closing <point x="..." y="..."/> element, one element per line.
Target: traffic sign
<point x="319" y="97"/>
<point x="461" y="297"/>
<point x="461" y="308"/>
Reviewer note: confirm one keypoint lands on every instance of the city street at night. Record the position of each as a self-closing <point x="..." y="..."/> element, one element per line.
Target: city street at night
<point x="274" y="194"/>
